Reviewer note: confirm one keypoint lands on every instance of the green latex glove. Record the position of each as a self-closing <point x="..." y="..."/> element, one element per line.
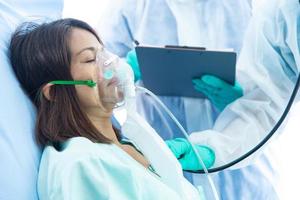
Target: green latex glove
<point x="218" y="91"/>
<point x="132" y="61"/>
<point x="183" y="151"/>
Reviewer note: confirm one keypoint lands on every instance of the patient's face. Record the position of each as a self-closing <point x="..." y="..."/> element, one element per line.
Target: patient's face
<point x="84" y="46"/>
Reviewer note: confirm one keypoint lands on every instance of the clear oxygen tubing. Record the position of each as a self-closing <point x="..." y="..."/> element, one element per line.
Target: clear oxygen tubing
<point x="146" y="91"/>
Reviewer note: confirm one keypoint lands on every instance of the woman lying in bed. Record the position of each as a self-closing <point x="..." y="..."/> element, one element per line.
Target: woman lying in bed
<point x="75" y="84"/>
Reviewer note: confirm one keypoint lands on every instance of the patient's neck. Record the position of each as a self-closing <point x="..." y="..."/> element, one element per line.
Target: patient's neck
<point x="104" y="126"/>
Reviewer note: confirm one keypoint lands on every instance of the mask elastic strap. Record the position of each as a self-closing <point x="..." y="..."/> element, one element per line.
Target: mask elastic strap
<point x="89" y="83"/>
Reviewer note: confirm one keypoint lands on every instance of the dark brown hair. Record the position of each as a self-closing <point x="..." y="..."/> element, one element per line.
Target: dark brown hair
<point x="40" y="54"/>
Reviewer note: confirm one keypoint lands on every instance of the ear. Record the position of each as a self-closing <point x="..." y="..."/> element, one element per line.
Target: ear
<point x="46" y="91"/>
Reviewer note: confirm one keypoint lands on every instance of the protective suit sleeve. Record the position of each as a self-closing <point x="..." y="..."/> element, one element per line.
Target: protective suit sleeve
<point x="268" y="68"/>
<point x="115" y="27"/>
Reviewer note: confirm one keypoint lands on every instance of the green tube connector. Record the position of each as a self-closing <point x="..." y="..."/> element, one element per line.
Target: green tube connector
<point x="89" y="83"/>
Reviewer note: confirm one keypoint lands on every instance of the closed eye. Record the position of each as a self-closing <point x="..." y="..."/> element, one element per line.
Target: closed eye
<point x="90" y="61"/>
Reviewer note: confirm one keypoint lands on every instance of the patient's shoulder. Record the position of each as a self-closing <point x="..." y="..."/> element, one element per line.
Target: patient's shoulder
<point x="72" y="167"/>
<point x="74" y="150"/>
<point x="80" y="150"/>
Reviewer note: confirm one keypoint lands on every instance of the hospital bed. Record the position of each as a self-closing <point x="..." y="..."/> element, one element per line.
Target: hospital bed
<point x="19" y="153"/>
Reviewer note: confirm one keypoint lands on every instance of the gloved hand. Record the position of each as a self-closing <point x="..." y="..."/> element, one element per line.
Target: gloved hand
<point x="183" y="151"/>
<point x="132" y="61"/>
<point x="218" y="91"/>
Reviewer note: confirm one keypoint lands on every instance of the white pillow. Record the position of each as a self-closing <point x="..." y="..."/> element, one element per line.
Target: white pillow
<point x="19" y="153"/>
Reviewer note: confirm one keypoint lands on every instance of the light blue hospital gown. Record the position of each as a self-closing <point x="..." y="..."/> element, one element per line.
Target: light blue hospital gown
<point x="151" y="22"/>
<point x="82" y="170"/>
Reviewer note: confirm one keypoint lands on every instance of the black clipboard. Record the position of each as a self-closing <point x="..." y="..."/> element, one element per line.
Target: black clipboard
<point x="168" y="71"/>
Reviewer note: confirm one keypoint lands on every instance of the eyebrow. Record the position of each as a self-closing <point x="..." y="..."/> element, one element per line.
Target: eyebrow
<point x="88" y="48"/>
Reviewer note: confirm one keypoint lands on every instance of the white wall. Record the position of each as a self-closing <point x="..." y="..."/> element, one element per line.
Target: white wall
<point x="89" y="11"/>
